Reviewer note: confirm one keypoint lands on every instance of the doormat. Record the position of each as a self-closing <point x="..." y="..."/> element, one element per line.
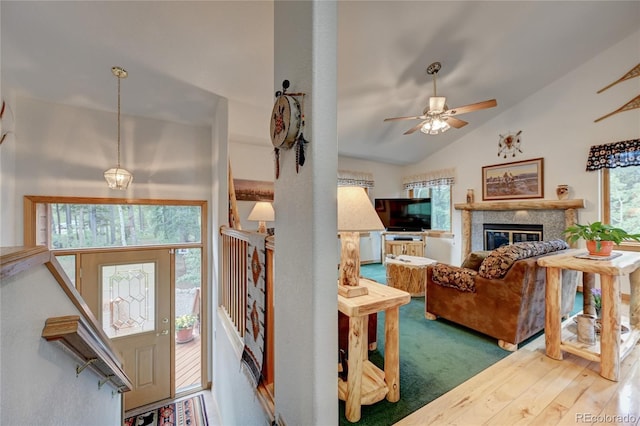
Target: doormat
<point x="186" y="412"/>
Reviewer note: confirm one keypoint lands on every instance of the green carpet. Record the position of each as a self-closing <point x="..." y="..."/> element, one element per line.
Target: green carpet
<point x="435" y="357"/>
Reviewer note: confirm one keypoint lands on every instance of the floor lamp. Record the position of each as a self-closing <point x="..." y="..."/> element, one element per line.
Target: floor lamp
<point x="355" y="214"/>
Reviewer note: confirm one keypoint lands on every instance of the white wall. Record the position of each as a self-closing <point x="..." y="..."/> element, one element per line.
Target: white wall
<point x="252" y="162"/>
<point x="387" y="177"/>
<point x="38" y="382"/>
<point x="62" y="150"/>
<point x="557" y="124"/>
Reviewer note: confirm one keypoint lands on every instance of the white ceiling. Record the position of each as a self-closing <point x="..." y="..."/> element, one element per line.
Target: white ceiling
<point x="179" y="54"/>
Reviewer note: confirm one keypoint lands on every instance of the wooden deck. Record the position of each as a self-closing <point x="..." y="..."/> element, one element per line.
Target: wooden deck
<point x="188" y="364"/>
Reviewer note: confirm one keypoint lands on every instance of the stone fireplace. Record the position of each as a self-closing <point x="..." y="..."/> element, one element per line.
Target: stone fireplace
<point x="553" y="215"/>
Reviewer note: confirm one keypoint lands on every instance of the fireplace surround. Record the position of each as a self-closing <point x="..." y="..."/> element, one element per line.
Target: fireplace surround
<point x="556" y="216"/>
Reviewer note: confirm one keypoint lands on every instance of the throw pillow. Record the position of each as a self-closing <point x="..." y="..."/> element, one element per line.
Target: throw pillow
<point x="458" y="278"/>
<point x="474" y="260"/>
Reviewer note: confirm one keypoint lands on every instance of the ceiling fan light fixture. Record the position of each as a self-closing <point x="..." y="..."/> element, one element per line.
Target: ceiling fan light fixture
<point x="436" y="104"/>
<point x="434" y="125"/>
<point x="117" y="177"/>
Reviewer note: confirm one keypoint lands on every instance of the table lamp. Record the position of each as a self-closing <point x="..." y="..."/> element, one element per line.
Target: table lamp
<point x="355" y="214"/>
<point x="262" y="212"/>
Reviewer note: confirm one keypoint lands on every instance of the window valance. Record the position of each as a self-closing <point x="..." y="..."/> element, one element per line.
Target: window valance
<point x="351" y="178"/>
<point x="426" y="180"/>
<point x="615" y="154"/>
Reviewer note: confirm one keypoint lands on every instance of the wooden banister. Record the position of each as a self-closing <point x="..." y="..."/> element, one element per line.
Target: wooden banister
<point x="74" y="333"/>
<point x="81" y="333"/>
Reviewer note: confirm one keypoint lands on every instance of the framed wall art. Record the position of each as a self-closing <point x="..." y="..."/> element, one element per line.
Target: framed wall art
<point x="253" y="190"/>
<point x="511" y="181"/>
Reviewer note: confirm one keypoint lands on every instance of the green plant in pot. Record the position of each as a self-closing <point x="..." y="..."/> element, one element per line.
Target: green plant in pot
<point x="184" y="327"/>
<point x="600" y="237"/>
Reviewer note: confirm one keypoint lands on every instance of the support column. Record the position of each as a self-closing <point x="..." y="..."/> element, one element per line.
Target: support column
<point x="306" y="255"/>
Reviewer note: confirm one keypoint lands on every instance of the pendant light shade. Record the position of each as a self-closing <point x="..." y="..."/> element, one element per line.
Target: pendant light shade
<point x="117" y="177"/>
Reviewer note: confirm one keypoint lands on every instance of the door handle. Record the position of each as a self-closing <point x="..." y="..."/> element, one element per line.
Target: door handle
<point x="165" y="320"/>
<point x="163" y="333"/>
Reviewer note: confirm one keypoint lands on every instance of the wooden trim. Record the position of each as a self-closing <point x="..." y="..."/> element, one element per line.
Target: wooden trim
<point x="19" y="259"/>
<point x="606" y="195"/>
<point x="524" y="205"/>
<point x="73" y="332"/>
<point x="14" y="260"/>
<point x="30" y="203"/>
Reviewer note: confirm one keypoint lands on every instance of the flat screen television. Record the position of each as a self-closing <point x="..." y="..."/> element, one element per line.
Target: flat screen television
<point x="404" y="214"/>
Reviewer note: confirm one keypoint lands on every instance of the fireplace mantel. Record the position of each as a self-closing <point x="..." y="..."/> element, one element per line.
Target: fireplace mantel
<point x="569" y="207"/>
<point x="524" y="205"/>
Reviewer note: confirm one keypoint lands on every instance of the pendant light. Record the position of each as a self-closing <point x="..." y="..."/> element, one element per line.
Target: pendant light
<point x="117" y="177"/>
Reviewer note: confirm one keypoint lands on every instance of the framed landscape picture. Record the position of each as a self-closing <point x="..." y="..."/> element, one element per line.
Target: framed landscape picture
<point x="510" y="181"/>
<point x="253" y="190"/>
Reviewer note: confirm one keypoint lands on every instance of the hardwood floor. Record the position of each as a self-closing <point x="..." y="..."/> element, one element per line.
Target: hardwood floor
<point x="527" y="387"/>
<point x="188" y="364"/>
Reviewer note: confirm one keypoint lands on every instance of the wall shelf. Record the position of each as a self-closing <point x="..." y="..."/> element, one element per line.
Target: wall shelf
<point x="73" y="332"/>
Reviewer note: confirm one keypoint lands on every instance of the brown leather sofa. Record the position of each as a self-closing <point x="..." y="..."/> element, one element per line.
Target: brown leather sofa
<point x="499" y="293"/>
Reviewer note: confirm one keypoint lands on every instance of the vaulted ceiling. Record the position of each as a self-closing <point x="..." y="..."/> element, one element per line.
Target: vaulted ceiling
<point x="179" y="54"/>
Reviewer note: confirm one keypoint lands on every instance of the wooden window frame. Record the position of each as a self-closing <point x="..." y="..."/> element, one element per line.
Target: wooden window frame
<point x="606" y="210"/>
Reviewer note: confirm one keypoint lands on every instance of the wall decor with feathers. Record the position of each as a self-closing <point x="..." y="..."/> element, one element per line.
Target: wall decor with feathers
<point x="3" y="132"/>
<point x="509" y="143"/>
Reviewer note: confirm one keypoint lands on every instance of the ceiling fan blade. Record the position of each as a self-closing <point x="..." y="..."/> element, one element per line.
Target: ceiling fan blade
<point x="456" y="122"/>
<point x="414" y="128"/>
<point x="472" y="107"/>
<point x="415" y="117"/>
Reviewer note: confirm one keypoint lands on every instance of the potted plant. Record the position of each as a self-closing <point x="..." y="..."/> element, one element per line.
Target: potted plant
<point x="184" y="328"/>
<point x="600" y="237"/>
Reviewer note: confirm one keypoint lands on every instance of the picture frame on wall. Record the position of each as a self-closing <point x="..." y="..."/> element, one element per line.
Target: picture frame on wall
<point x="253" y="190"/>
<point x="512" y="181"/>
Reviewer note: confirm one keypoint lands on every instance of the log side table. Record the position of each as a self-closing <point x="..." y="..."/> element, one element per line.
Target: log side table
<point x="408" y="273"/>
<point x="613" y="346"/>
<point x="366" y="384"/>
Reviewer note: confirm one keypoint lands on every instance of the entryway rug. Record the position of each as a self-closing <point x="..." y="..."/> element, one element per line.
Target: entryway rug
<point x="185" y="412"/>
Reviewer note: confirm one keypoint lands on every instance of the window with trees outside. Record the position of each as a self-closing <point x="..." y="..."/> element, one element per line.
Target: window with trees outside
<point x="68" y="227"/>
<point x="440" y="205"/>
<point x="621" y="200"/>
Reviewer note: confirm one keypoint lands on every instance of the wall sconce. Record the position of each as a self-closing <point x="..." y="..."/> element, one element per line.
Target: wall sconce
<point x="117" y="177"/>
<point x="262" y="212"/>
<point x="355" y="214"/>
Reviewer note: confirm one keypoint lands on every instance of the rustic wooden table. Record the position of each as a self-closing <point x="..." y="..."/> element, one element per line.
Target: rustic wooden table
<point x="367" y="384"/>
<point x="612" y="346"/>
<point x="408" y="273"/>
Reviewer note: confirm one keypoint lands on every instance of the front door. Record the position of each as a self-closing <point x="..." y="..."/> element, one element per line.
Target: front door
<point x="130" y="294"/>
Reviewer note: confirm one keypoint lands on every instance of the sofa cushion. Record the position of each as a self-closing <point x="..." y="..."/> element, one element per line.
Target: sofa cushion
<point x="450" y="276"/>
<point x="474" y="260"/>
<point x="498" y="263"/>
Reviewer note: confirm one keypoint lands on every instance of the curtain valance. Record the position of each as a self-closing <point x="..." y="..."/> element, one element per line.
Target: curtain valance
<point x="615" y="154"/>
<point x="426" y="180"/>
<point x="351" y="178"/>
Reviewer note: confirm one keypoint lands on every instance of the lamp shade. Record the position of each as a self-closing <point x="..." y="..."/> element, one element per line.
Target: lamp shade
<point x="355" y="211"/>
<point x="262" y="211"/>
<point x="118" y="178"/>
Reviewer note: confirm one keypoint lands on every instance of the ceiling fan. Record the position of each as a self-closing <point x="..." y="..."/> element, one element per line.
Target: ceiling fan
<point x="437" y="117"/>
